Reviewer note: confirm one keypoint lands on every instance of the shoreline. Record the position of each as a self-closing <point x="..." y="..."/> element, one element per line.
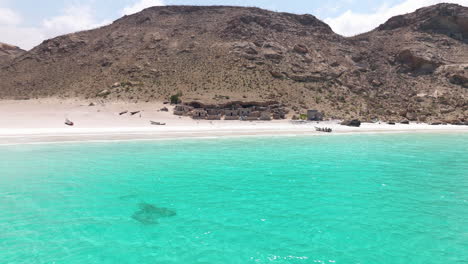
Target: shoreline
<point x="42" y="121"/>
<point x="57" y="138"/>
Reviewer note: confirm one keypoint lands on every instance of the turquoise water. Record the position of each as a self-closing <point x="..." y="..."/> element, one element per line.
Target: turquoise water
<point x="372" y="199"/>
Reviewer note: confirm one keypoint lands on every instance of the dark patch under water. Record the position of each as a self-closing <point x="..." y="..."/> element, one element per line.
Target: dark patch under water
<point x="149" y="214"/>
<point x="126" y="197"/>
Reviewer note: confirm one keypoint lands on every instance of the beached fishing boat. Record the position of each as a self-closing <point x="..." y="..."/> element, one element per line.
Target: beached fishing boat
<point x="68" y="122"/>
<point x="157" y="123"/>
<point x="324" y="129"/>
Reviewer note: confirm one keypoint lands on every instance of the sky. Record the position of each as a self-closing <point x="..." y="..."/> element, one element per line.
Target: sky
<point x="26" y="23"/>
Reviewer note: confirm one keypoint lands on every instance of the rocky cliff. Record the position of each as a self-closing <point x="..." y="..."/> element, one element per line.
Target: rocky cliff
<point x="412" y="67"/>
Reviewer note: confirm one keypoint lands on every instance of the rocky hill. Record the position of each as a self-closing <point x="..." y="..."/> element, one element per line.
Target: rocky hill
<point x="414" y="66"/>
<point x="8" y="52"/>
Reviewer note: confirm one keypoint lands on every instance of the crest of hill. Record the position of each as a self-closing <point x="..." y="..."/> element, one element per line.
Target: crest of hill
<point x="447" y="19"/>
<point x="216" y="54"/>
<point x="8" y="52"/>
<point x="234" y="15"/>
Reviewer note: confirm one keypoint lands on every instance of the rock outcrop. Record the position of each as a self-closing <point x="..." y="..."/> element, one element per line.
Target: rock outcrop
<point x="351" y="123"/>
<point x="447" y="19"/>
<point x="417" y="63"/>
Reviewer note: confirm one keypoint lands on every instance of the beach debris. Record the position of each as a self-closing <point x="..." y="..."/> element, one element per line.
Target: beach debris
<point x="91" y="104"/>
<point x="134" y="113"/>
<point x="103" y="93"/>
<point x="148" y="214"/>
<point x="404" y="122"/>
<point x="68" y="122"/>
<point x="351" y="123"/>
<point x="391" y="123"/>
<point x="157" y="123"/>
<point x="123" y="113"/>
<point x="324" y="129"/>
<point x="164" y="109"/>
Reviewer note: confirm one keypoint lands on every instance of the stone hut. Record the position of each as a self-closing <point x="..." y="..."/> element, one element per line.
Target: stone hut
<point x="231" y="115"/>
<point x="213" y="117"/>
<point x="182" y="110"/>
<point x="214" y="114"/>
<point x="255" y="115"/>
<point x="215" y="111"/>
<point x="314" y="115"/>
<point x="236" y="110"/>
<point x="265" y="116"/>
<point x="245" y="111"/>
<point x="199" y="114"/>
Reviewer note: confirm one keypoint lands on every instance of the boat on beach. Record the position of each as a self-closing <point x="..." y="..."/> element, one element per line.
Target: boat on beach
<point x="323" y="129"/>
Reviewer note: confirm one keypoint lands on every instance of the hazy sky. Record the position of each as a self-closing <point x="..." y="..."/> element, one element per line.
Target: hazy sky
<point x="26" y="23"/>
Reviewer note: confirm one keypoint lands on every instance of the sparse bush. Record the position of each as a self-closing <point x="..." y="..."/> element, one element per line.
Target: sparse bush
<point x="175" y="99"/>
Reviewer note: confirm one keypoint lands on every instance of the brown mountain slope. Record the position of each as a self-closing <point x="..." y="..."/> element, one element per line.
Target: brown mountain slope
<point x="8" y="52"/>
<point x="220" y="54"/>
<point x="419" y="63"/>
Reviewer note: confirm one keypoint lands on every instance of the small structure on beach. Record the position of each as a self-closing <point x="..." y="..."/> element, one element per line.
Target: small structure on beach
<point x="265" y="116"/>
<point x="231" y="115"/>
<point x="314" y="115"/>
<point x="199" y="114"/>
<point x="245" y="112"/>
<point x="182" y="110"/>
<point x="248" y="111"/>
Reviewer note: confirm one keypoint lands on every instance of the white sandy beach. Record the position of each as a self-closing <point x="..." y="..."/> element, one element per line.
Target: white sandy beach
<point x="42" y="120"/>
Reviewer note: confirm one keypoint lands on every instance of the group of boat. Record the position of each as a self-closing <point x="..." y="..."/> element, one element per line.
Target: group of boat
<point x="324" y="129"/>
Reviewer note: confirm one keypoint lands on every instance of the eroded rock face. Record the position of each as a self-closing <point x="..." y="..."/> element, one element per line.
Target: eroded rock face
<point x="306" y="77"/>
<point x="300" y="48"/>
<point x="351" y="123"/>
<point x="273" y="55"/>
<point x="277" y="74"/>
<point x="417" y="63"/>
<point x="459" y="79"/>
<point x="450" y="22"/>
<point x="447" y="19"/>
<point x="454" y="27"/>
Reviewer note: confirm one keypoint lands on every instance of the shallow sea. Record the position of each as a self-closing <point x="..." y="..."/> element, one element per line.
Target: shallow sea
<point x="370" y="199"/>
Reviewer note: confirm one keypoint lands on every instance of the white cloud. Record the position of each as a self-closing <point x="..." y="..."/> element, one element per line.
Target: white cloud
<point x="350" y="23"/>
<point x="140" y="5"/>
<point x="9" y="17"/>
<point x="24" y="37"/>
<point x="72" y="19"/>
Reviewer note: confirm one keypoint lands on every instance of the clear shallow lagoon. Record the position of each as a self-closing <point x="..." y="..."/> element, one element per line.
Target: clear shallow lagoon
<point x="395" y="198"/>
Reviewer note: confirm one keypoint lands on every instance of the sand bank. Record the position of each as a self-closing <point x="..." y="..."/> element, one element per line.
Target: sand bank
<point x="43" y="121"/>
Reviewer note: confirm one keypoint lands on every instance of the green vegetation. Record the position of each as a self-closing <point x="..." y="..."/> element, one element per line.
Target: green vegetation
<point x="175" y="99"/>
<point x="303" y="116"/>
